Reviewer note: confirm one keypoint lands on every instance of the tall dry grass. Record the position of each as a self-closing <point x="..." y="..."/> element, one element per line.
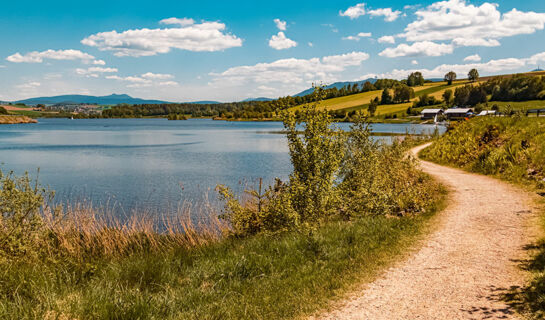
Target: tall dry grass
<point x="79" y="231"/>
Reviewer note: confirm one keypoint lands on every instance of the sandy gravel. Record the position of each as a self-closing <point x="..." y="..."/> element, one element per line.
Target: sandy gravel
<point x="463" y="266"/>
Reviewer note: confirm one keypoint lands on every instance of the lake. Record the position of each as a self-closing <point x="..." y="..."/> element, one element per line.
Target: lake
<point x="150" y="163"/>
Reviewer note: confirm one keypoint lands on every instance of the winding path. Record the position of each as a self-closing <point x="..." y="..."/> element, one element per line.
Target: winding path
<point x="464" y="266"/>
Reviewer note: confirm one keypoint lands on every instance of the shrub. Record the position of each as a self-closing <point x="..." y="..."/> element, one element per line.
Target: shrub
<point x="20" y="219"/>
<point x="3" y="110"/>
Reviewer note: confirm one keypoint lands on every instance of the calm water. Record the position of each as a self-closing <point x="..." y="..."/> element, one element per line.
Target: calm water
<point x="149" y="163"/>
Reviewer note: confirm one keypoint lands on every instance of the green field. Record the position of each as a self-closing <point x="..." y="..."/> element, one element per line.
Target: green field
<point x="524" y="105"/>
<point x="360" y="101"/>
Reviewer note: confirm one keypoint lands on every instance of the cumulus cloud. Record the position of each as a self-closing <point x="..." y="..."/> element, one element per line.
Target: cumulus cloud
<point x="358" y="36"/>
<point x="38" y="57"/>
<point x="474" y="57"/>
<point x="93" y="72"/>
<point x="414" y="62"/>
<point x="470" y="25"/>
<point x="388" y="14"/>
<point x="424" y="48"/>
<point x="160" y="76"/>
<point x="359" y="10"/>
<point x="354" y="12"/>
<point x="99" y="62"/>
<point x="289" y="74"/>
<point x="281" y="25"/>
<point x="29" y="85"/>
<point x="145" y="80"/>
<point x="206" y="36"/>
<point x="387" y="39"/>
<point x="490" y="67"/>
<point x="182" y="22"/>
<point x="281" y="42"/>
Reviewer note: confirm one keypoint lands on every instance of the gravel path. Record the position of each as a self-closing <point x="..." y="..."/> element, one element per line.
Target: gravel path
<point x="464" y="265"/>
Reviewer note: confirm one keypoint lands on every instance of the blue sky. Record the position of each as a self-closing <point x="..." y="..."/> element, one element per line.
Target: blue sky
<point x="232" y="50"/>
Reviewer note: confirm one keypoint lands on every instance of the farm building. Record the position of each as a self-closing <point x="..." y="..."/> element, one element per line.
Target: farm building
<point x="458" y="113"/>
<point x="488" y="113"/>
<point x="431" y="113"/>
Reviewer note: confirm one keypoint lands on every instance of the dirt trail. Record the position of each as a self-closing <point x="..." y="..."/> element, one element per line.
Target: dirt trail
<point x="464" y="266"/>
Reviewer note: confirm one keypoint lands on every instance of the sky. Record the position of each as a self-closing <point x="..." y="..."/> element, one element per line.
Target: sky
<point x="232" y="50"/>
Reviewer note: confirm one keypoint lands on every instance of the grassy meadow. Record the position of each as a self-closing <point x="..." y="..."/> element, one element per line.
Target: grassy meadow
<point x="510" y="148"/>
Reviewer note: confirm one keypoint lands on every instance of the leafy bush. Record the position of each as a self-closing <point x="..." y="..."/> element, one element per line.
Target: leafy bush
<point x="513" y="148"/>
<point x="335" y="175"/>
<point x="20" y="219"/>
<point x="3" y="110"/>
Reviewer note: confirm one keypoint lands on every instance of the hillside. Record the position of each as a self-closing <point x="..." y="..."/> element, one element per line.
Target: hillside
<point x="360" y="101"/>
<point x="101" y="100"/>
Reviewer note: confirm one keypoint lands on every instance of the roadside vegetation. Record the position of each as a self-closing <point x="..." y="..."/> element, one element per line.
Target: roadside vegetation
<point x="350" y="207"/>
<point x="511" y="148"/>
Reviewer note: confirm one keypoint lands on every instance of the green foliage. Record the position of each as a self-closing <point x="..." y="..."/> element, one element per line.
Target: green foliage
<point x="425" y="100"/>
<point x="386" y="97"/>
<point x="447" y="97"/>
<point x="516" y="88"/>
<point x="450" y="77"/>
<point x="415" y="79"/>
<point x="469" y="96"/>
<point x="403" y="93"/>
<point x="373" y="105"/>
<point x="20" y="219"/>
<point x="513" y="148"/>
<point x="473" y="75"/>
<point x="3" y="110"/>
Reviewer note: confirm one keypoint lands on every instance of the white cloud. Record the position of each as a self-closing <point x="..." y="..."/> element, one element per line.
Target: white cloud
<point x="145" y="80"/>
<point x="310" y="44"/>
<point x="206" y="36"/>
<point x="38" y="57"/>
<point x="467" y="24"/>
<point x="424" y="48"/>
<point x="490" y="67"/>
<point x="94" y="71"/>
<point x="358" y="36"/>
<point x="354" y="12"/>
<point x="414" y="62"/>
<point x="29" y="85"/>
<point x="474" y="57"/>
<point x="281" y="42"/>
<point x="475" y="42"/>
<point x="388" y="14"/>
<point x="99" y="62"/>
<point x="182" y="22"/>
<point x="359" y="10"/>
<point x="387" y="39"/>
<point x="159" y="76"/>
<point x="281" y="25"/>
<point x="287" y="75"/>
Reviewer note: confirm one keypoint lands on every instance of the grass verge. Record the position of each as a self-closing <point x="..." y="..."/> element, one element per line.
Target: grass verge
<point x="262" y="277"/>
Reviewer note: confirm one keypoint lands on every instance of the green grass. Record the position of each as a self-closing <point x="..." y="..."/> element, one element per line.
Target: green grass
<point x="512" y="149"/>
<point x="524" y="105"/>
<point x="28" y="113"/>
<point x="264" y="277"/>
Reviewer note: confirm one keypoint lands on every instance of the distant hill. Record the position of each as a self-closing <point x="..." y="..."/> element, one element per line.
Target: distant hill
<point x="337" y="85"/>
<point x="102" y="100"/>
<point x="257" y="99"/>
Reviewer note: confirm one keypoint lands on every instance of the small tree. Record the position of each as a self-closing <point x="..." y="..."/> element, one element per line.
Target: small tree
<point x="447" y="97"/>
<point x="386" y="97"/>
<point x="473" y="75"/>
<point x="450" y="77"/>
<point x="373" y="106"/>
<point x="415" y="79"/>
<point x="403" y="93"/>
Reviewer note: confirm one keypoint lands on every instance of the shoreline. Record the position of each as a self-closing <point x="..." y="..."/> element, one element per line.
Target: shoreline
<point x="15" y="119"/>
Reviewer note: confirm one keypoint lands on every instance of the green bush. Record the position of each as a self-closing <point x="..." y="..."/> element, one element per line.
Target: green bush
<point x="3" y="110"/>
<point x="20" y="219"/>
